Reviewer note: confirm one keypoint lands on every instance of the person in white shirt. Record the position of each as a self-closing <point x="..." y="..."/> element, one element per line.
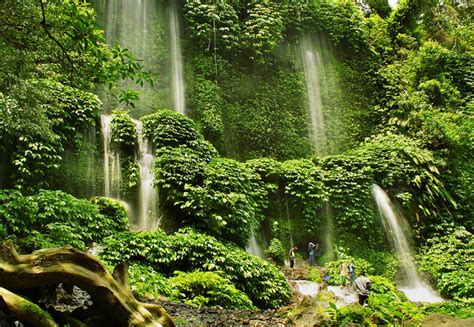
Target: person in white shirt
<point x="363" y="286"/>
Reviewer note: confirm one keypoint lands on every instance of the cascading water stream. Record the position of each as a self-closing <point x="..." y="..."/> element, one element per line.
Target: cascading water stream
<point x="91" y="141"/>
<point x="412" y="285"/>
<point x="105" y="122"/>
<point x="177" y="60"/>
<point x="254" y="248"/>
<point x="312" y="64"/>
<point x="329" y="231"/>
<point x="111" y="160"/>
<point x="148" y="216"/>
<point x="289" y="221"/>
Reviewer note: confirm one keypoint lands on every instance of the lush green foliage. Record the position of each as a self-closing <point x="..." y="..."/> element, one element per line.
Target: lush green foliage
<point x="463" y="309"/>
<point x="208" y="289"/>
<point x="53" y="54"/>
<point x="220" y="196"/>
<point x="147" y="282"/>
<point x="124" y="141"/>
<point x="187" y="251"/>
<point x="124" y="131"/>
<point x="196" y="288"/>
<point x="207" y="102"/>
<point x="38" y="120"/>
<point x="387" y="306"/>
<point x="449" y="260"/>
<point x="397" y="89"/>
<point x="276" y="252"/>
<point x="54" y="218"/>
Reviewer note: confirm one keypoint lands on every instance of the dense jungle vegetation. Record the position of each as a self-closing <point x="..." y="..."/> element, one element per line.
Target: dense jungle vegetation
<point x="398" y="99"/>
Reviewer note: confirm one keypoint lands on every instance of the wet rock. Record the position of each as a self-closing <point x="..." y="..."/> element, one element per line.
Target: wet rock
<point x="66" y="298"/>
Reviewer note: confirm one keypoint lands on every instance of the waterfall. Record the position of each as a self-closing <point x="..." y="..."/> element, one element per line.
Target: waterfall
<point x="111" y="160"/>
<point x="148" y="217"/>
<point x="312" y="65"/>
<point x="393" y="3"/>
<point x="105" y="121"/>
<point x="254" y="248"/>
<point x="176" y="60"/>
<point x="137" y="25"/>
<point x="394" y="225"/>
<point x="289" y="221"/>
<point x="329" y="231"/>
<point x="90" y="139"/>
<point x="328" y="110"/>
<point x="129" y="23"/>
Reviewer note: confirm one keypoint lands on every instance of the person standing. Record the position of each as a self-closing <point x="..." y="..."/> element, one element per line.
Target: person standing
<point x="316" y="253"/>
<point x="312" y="253"/>
<point x="343" y="273"/>
<point x="351" y="273"/>
<point x="363" y="286"/>
<point x="292" y="256"/>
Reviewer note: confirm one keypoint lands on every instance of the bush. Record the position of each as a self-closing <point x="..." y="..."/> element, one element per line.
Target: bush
<point x="387" y="306"/>
<point x="276" y="252"/>
<point x="209" y="289"/>
<point x="147" y="282"/>
<point x="460" y="309"/>
<point x="449" y="260"/>
<point x="124" y="132"/>
<point x="187" y="250"/>
<point x="333" y="268"/>
<point x="55" y="218"/>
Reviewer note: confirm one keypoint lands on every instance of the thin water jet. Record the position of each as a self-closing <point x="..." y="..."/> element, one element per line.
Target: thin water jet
<point x="289" y="221"/>
<point x="111" y="160"/>
<point x="410" y="283"/>
<point x="312" y="65"/>
<point x="176" y="60"/>
<point x="328" y="231"/>
<point x="253" y="247"/>
<point x="148" y="215"/>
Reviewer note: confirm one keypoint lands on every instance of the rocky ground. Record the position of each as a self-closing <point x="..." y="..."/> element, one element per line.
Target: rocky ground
<point x="186" y="315"/>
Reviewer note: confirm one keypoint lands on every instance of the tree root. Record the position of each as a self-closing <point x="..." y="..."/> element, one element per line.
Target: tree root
<point x="67" y="265"/>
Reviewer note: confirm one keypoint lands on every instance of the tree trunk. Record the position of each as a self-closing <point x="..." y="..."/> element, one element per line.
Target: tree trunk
<point x="70" y="266"/>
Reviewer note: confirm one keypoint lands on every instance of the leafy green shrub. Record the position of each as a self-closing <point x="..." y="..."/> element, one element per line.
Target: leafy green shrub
<point x="305" y="190"/>
<point x="209" y="289"/>
<point x="449" y="260"/>
<point x="333" y="268"/>
<point x="460" y="309"/>
<point x="187" y="251"/>
<point x="387" y="306"/>
<point x="168" y="128"/>
<point x="55" y="218"/>
<point x="39" y="119"/>
<point x="227" y="204"/>
<point x="114" y="211"/>
<point x="314" y="275"/>
<point x="276" y="252"/>
<point x="208" y="104"/>
<point x="147" y="282"/>
<point x="219" y="196"/>
<point x="124" y="131"/>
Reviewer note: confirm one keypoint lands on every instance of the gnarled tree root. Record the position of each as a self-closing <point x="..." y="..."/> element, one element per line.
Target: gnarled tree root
<point x="70" y="266"/>
<point x="25" y="310"/>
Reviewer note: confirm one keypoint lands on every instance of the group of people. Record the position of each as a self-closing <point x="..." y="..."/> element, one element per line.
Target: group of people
<point x="347" y="272"/>
<point x="312" y="251"/>
<point x="362" y="283"/>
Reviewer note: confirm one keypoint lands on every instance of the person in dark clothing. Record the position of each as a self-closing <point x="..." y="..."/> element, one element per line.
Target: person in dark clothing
<point x="291" y="255"/>
<point x="312" y="253"/>
<point x="363" y="286"/>
<point x="352" y="274"/>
